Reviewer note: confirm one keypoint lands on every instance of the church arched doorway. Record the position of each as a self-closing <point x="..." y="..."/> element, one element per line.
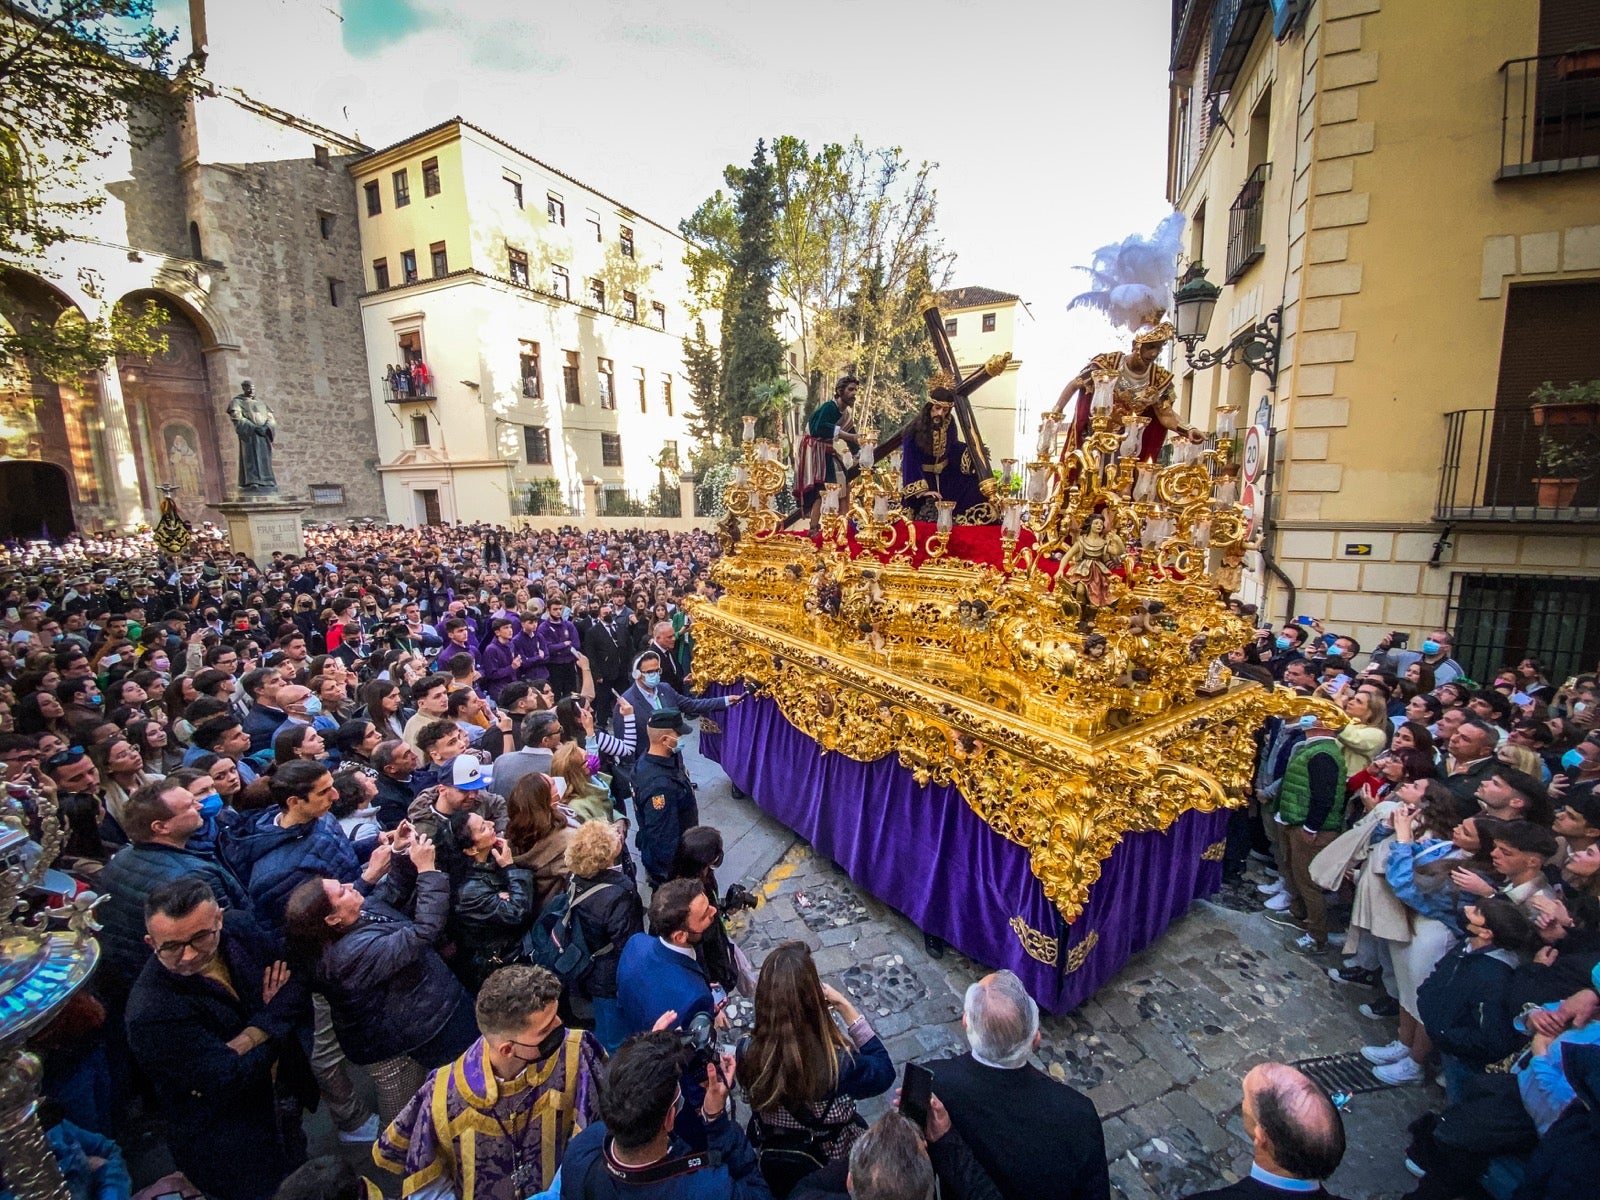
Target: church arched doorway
<point x="35" y="501"/>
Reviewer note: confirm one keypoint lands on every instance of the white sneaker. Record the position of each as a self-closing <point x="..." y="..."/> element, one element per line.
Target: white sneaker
<point x="1270" y="889"/>
<point x="1385" y="1055"/>
<point x="1406" y="1070"/>
<point x="367" y="1131"/>
<point x="1279" y="903"/>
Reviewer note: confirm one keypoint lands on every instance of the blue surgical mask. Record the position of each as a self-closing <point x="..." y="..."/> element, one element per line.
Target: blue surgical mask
<point x="1283" y="643"/>
<point x="313" y="706"/>
<point x="652" y="678"/>
<point x="1308" y="721"/>
<point x="210" y="804"/>
<point x="1430" y="647"/>
<point x="1572" y="760"/>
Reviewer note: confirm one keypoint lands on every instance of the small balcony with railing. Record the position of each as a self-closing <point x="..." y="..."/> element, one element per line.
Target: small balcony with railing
<point x="407" y="387"/>
<point x="1538" y="465"/>
<point x="1550" y="114"/>
<point x="1245" y="244"/>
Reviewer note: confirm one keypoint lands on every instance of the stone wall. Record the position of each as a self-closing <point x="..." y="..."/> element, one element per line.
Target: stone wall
<point x="305" y="355"/>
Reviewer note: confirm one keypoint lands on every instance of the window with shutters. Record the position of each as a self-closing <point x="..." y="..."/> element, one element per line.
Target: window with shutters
<point x="430" y="177"/>
<point x="536" y="445"/>
<point x="439" y="259"/>
<point x="608" y="384"/>
<point x="374" y="196"/>
<point x="402" y="188"/>
<point x="380" y="273"/>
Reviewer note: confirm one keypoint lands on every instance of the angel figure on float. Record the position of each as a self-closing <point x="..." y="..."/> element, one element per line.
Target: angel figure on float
<point x="1088" y="563"/>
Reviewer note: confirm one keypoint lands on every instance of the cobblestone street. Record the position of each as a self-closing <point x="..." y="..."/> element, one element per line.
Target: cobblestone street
<point x="1160" y="1050"/>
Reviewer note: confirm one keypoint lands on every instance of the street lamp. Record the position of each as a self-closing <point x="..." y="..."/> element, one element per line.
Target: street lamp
<point x="1194" y="300"/>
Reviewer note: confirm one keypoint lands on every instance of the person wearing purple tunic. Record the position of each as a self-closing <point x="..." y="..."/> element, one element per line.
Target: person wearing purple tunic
<point x="528" y="647"/>
<point x="499" y="659"/>
<point x="935" y="464"/>
<point x="457" y="634"/>
<point x="495" y="1123"/>
<point x="561" y="640"/>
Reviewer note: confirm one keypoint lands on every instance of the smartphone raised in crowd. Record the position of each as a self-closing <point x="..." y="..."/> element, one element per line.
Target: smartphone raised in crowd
<point x="1397" y="640"/>
<point x="915" y="1093"/>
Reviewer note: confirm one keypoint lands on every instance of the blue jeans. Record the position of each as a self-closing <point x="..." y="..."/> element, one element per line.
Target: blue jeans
<point x="609" y="1027"/>
<point x="1456" y="1073"/>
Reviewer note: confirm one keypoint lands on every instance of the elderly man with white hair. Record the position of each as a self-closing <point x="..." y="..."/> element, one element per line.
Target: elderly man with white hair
<point x="1033" y="1136"/>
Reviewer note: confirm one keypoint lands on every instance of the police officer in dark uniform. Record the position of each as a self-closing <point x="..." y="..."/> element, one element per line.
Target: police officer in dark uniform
<point x="663" y="798"/>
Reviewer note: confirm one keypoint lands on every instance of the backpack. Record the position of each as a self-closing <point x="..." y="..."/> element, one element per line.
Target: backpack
<point x="788" y="1154"/>
<point x="556" y="941"/>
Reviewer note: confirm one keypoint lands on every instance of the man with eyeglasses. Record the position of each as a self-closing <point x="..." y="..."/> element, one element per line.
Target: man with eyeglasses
<point x="509" y="1105"/>
<point x="212" y="1021"/>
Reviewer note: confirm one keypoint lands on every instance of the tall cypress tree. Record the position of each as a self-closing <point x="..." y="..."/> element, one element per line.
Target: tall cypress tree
<point x="752" y="355"/>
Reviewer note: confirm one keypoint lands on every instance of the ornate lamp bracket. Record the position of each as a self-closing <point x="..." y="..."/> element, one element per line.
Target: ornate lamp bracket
<point x="1256" y="347"/>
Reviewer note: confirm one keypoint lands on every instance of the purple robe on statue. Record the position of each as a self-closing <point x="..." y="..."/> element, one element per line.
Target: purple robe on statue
<point x="494" y="1139"/>
<point x="954" y="476"/>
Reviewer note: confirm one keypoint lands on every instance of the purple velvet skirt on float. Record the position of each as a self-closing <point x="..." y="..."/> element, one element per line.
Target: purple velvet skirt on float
<point x="921" y="849"/>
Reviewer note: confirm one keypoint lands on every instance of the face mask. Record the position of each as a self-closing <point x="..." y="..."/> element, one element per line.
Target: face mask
<point x="313" y="706"/>
<point x="210" y="804"/>
<point x="652" y="678"/>
<point x="1430" y="647"/>
<point x="552" y="1042"/>
<point x="1572" y="760"/>
<point x="1283" y="643"/>
<point x="1307" y="721"/>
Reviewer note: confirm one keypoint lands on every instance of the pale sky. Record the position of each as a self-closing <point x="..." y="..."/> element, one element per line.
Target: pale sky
<point x="1047" y="117"/>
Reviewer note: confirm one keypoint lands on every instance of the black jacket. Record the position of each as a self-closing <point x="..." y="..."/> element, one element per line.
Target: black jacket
<point x="223" y="1103"/>
<point x="493" y="909"/>
<point x="613" y="916"/>
<point x="388" y="988"/>
<point x="394" y="799"/>
<point x="1251" y="1189"/>
<point x="607" y="653"/>
<point x="126" y="883"/>
<point x="1031" y="1135"/>
<point x="960" y="1177"/>
<point x="1465" y="1005"/>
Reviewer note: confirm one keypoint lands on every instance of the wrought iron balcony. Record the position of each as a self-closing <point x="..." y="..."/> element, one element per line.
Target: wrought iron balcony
<point x="1244" y="222"/>
<point x="407" y="391"/>
<point x="1233" y="27"/>
<point x="1550" y="114"/>
<point x="1503" y="465"/>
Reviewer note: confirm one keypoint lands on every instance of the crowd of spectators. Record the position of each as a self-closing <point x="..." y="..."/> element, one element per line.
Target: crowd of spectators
<point x="1444" y="837"/>
<point x="401" y="831"/>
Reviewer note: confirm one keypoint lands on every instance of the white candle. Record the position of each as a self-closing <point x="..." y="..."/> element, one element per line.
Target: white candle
<point x="880" y="507"/>
<point x="866" y="450"/>
<point x="1144" y="482"/>
<point x="830" y="500"/>
<point x="749" y="429"/>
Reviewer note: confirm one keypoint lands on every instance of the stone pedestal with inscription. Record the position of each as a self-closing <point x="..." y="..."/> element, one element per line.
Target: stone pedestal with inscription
<point x="257" y="527"/>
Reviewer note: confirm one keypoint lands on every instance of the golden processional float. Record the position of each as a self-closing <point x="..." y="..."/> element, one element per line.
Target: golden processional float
<point x="1072" y="692"/>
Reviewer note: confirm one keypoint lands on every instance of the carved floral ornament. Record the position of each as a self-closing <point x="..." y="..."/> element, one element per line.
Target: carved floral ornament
<point x="1064" y="724"/>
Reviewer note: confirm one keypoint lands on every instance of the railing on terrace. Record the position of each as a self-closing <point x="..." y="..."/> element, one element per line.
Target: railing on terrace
<point x="1495" y="460"/>
<point x="1550" y="114"/>
<point x="1244" y="222"/>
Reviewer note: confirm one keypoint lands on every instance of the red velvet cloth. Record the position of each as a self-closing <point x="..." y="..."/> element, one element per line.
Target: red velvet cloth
<point x="973" y="543"/>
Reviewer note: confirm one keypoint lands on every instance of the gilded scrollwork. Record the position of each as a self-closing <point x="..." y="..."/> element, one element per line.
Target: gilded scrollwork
<point x="1067" y="718"/>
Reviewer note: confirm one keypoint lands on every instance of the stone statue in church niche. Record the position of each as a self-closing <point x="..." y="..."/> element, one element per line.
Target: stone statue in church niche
<point x="257" y="429"/>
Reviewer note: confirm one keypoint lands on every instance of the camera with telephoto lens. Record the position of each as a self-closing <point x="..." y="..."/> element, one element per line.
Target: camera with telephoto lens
<point x="698" y="1042"/>
<point x="737" y="897"/>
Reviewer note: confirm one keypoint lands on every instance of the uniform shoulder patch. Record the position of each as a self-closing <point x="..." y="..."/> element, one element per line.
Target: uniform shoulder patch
<point x="658" y="801"/>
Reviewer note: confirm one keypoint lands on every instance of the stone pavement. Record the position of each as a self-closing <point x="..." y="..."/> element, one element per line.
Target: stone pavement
<point x="1161" y="1049"/>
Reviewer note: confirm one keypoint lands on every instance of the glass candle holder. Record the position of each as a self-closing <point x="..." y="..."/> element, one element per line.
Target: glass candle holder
<point x="1227" y="420"/>
<point x="1038" y="485"/>
<point x="1201" y="535"/>
<point x="1226" y="491"/>
<point x="1049" y="425"/>
<point x="741" y="475"/>
<point x="830" y="500"/>
<point x="1144" y="482"/>
<point x="880" y="507"/>
<point x="865" y="451"/>
<point x="894" y="463"/>
<point x="1011" y="519"/>
<point x="1008" y="473"/>
<point x="1104" y="391"/>
<point x="947" y="515"/>
<point x="749" y="429"/>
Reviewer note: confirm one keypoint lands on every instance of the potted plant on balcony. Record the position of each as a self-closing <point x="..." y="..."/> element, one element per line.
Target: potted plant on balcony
<point x="1575" y="404"/>
<point x="1563" y="464"/>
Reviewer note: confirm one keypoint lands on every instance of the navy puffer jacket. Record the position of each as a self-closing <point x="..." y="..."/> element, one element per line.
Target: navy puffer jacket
<point x="127" y="881"/>
<point x="388" y="988"/>
<point x="273" y="860"/>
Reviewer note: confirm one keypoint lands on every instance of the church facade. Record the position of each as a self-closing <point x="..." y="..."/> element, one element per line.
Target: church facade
<point x="239" y="224"/>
